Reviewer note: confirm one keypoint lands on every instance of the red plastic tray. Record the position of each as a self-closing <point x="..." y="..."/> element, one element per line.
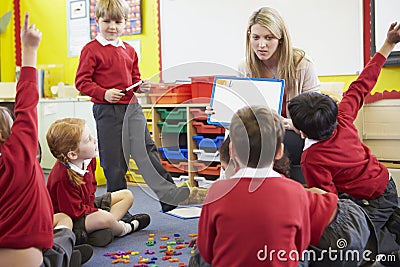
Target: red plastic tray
<point x="207" y="129"/>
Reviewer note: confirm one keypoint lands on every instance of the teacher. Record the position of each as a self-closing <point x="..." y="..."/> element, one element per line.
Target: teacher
<point x="270" y="54"/>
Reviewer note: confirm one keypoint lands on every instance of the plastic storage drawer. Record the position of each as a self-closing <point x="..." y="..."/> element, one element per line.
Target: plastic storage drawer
<point x="147" y="113"/>
<point x="207" y="129"/>
<point x="170" y="98"/>
<point x="173" y="153"/>
<point x="181" y="167"/>
<point x="176" y="114"/>
<point x="208" y="143"/>
<point x="198" y="114"/>
<point x="206" y="156"/>
<point x="179" y="127"/>
<point x="202" y="88"/>
<point x="207" y="170"/>
<point x="162" y="88"/>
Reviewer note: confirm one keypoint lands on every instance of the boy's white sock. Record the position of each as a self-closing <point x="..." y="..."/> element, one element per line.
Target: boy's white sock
<point x="127" y="228"/>
<point x="135" y="224"/>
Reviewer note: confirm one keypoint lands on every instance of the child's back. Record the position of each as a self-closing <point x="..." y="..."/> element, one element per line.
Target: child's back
<point x="247" y="226"/>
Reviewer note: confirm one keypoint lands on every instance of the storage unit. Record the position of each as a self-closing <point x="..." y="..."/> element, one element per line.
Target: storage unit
<point x="381" y="128"/>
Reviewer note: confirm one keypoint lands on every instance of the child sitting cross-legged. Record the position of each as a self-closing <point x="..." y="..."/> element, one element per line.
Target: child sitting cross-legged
<point x="72" y="186"/>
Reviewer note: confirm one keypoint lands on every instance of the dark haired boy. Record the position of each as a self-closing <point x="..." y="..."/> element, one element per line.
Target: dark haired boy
<point x="335" y="159"/>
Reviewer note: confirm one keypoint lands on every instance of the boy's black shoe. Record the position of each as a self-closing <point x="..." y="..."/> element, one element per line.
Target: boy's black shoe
<point x="143" y="219"/>
<point x="100" y="238"/>
<point x="85" y="252"/>
<point x="81" y="236"/>
<point x="76" y="259"/>
<point x="171" y="200"/>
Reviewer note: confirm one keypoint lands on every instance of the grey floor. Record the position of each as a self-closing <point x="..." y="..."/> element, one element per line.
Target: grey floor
<point x="161" y="225"/>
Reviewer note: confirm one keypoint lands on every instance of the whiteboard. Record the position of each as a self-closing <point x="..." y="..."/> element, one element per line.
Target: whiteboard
<point x="231" y="94"/>
<point x="207" y="37"/>
<point x="386" y="12"/>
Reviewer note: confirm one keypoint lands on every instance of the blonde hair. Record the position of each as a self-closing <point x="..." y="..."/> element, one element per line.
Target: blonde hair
<point x="62" y="137"/>
<point x="5" y="127"/>
<point x="288" y="57"/>
<point x="256" y="134"/>
<point x="115" y="9"/>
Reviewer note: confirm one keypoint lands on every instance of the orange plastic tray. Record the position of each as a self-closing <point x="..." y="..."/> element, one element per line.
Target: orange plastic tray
<point x="169" y="98"/>
<point x="207" y="129"/>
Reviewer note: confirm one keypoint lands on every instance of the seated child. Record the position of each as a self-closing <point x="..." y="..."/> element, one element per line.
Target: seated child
<point x="270" y="211"/>
<point x="334" y="157"/>
<point x="347" y="222"/>
<point x="27" y="237"/>
<point x="72" y="185"/>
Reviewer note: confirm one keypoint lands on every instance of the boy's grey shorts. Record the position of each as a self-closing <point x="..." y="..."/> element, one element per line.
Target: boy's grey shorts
<point x="60" y="254"/>
<point x="348" y="240"/>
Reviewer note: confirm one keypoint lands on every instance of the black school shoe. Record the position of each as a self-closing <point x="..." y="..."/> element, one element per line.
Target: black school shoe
<point x="143" y="219"/>
<point x="80" y="255"/>
<point x="100" y="238"/>
<point x="171" y="200"/>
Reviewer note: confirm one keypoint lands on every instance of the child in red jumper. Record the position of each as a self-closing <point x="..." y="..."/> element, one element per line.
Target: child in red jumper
<point x="27" y="237"/>
<point x="347" y="222"/>
<point x="270" y="210"/>
<point x="334" y="157"/>
<point x="107" y="66"/>
<point x="26" y="225"/>
<point x="72" y="185"/>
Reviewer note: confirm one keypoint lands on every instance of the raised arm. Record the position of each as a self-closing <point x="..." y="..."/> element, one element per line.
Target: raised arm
<point x="392" y="38"/>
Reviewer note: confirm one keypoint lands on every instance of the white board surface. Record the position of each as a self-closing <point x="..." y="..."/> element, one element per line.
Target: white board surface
<point x="231" y="94"/>
<point x="208" y="37"/>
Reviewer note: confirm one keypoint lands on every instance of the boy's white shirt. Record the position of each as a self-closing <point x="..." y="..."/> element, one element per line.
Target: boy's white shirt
<point x="103" y="41"/>
<point x="80" y="171"/>
<point x="255" y="173"/>
<point x="309" y="142"/>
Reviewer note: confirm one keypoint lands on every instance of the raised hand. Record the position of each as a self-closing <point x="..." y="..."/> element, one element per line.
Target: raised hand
<point x="30" y="37"/>
<point x="393" y="34"/>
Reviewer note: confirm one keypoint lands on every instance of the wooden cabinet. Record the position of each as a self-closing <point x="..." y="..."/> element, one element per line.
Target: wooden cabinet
<point x="381" y="130"/>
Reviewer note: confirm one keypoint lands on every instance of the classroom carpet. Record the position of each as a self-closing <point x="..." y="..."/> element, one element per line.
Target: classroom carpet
<point x="162" y="225"/>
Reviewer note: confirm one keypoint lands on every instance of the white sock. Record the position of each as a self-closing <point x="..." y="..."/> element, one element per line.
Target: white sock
<point x="127" y="228"/>
<point x="135" y="224"/>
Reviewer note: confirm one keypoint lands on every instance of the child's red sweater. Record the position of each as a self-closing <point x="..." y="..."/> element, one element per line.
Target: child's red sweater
<point x="343" y="163"/>
<point x="26" y="213"/>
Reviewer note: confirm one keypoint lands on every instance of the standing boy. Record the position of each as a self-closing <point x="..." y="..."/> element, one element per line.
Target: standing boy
<point x="334" y="158"/>
<point x="107" y="66"/>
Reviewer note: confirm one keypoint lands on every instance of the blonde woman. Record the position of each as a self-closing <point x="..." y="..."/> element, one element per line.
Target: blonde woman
<point x="270" y="54"/>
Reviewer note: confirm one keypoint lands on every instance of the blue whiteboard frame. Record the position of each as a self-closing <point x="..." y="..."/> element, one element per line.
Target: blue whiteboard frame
<point x="276" y="87"/>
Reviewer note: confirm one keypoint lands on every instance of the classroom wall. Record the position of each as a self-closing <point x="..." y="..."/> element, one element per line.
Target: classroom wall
<point x="53" y="49"/>
<point x="50" y="17"/>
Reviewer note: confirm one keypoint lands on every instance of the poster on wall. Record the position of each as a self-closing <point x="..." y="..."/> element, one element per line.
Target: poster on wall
<point x="133" y="24"/>
<point x="77" y="26"/>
